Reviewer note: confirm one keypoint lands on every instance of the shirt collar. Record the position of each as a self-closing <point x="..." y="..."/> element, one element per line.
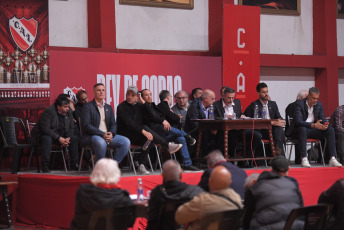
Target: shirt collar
<point x="267" y="102"/>
<point x="309" y="107"/>
<point x="224" y="105"/>
<point x="100" y="105"/>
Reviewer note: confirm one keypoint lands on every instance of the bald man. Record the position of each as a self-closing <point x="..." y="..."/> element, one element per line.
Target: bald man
<point x="171" y="189"/>
<point x="199" y="109"/>
<point x="220" y="198"/>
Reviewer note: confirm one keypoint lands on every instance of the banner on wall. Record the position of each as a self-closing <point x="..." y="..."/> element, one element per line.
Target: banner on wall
<point x="24" y="55"/>
<point x="72" y="71"/>
<point x="241" y="51"/>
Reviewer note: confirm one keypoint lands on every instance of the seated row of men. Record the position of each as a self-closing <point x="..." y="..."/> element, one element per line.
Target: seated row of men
<point x="140" y="120"/>
<point x="268" y="197"/>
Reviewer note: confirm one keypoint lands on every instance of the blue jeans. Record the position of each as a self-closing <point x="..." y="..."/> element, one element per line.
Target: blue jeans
<point x="120" y="142"/>
<point x="177" y="136"/>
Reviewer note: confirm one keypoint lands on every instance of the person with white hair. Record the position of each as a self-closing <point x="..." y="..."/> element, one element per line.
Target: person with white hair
<point x="103" y="193"/>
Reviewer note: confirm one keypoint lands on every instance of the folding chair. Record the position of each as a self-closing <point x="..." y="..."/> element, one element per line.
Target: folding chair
<point x="135" y="149"/>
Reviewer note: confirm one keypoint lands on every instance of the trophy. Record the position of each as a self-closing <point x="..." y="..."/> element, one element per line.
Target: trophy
<point x="26" y="61"/>
<point x="38" y="59"/>
<point x="18" y="67"/>
<point x="45" y="68"/>
<point x="2" y="69"/>
<point x="32" y="66"/>
<point x="8" y="61"/>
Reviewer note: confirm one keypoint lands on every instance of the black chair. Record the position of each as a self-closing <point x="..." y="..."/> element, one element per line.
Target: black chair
<point x="312" y="217"/>
<point x="9" y="138"/>
<point x="167" y="212"/>
<point x="119" y="218"/>
<point x="227" y="220"/>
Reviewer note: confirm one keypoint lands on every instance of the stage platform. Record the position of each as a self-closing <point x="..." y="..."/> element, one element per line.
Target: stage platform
<point x="47" y="200"/>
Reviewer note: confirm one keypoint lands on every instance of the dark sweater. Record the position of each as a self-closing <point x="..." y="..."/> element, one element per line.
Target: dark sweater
<point x="170" y="116"/>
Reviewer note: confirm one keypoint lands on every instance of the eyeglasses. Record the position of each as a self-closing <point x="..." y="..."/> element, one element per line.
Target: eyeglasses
<point x="181" y="98"/>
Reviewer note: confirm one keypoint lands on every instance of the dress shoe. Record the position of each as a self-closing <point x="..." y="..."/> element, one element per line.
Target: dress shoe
<point x="45" y="168"/>
<point x="74" y="167"/>
<point x="191" y="168"/>
<point x="191" y="141"/>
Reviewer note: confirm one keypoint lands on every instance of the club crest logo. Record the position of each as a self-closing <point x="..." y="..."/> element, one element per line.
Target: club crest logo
<point x="23" y="31"/>
<point x="72" y="93"/>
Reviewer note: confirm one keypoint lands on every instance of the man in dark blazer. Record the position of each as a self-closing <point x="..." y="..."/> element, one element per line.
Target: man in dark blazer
<point x="56" y="126"/>
<point x="310" y="122"/>
<point x="273" y="113"/>
<point x="99" y="127"/>
<point x="230" y="106"/>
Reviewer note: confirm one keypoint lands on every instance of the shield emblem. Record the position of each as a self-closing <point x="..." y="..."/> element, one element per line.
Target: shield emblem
<point x="72" y="93"/>
<point x="23" y="31"/>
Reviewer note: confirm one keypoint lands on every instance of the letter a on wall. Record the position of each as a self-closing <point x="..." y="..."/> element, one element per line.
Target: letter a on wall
<point x="241" y="51"/>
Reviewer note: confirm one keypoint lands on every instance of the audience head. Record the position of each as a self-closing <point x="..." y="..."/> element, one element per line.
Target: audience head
<point x="196" y="93"/>
<point x="302" y="94"/>
<point x="208" y="98"/>
<point x="222" y="90"/>
<point x="228" y="95"/>
<point x="263" y="92"/>
<point x="131" y="95"/>
<point x="220" y="178"/>
<point x="313" y="96"/>
<point x="280" y="165"/>
<point x="251" y="180"/>
<point x="182" y="98"/>
<point x="165" y="95"/>
<point x="105" y="171"/>
<point x="82" y="97"/>
<point x="171" y="171"/>
<point x="99" y="92"/>
<point x="147" y="96"/>
<point x="214" y="157"/>
<point x="62" y="104"/>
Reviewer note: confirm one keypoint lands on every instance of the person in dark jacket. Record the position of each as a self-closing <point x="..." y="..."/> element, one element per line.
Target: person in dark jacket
<point x="56" y="126"/>
<point x="335" y="197"/>
<point x="272" y="113"/>
<point x="172" y="189"/>
<point x="270" y="200"/>
<point x="99" y="127"/>
<point x="214" y="159"/>
<point x="182" y="105"/>
<point x="102" y="194"/>
<point x="130" y="124"/>
<point x="82" y="98"/>
<point x="310" y="122"/>
<point x="164" y="105"/>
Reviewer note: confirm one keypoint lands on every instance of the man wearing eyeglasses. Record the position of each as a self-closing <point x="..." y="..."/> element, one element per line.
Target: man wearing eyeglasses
<point x="181" y="107"/>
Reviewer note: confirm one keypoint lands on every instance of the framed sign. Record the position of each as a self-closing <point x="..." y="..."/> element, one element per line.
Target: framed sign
<point x="340" y="6"/>
<point x="183" y="4"/>
<point x="291" y="7"/>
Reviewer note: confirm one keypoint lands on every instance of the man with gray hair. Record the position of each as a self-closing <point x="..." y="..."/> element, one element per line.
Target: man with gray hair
<point x="103" y="193"/>
<point x="309" y="121"/>
<point x="171" y="189"/>
<point x="214" y="159"/>
<point x="181" y="107"/>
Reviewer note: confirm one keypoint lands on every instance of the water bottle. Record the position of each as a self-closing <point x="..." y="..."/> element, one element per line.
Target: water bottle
<point x="145" y="146"/>
<point x="265" y="112"/>
<point x="139" y="188"/>
<point x="256" y="114"/>
<point x="211" y="113"/>
<point x="234" y="117"/>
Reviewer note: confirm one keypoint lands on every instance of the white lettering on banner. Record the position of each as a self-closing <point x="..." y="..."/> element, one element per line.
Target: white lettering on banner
<point x="240" y="45"/>
<point x="241" y="86"/>
<point x="154" y="83"/>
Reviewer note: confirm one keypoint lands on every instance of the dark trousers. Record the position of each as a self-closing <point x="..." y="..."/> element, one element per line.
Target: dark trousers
<point x="340" y="145"/>
<point x="302" y="133"/>
<point x="46" y="142"/>
<point x="278" y="135"/>
<point x="140" y="140"/>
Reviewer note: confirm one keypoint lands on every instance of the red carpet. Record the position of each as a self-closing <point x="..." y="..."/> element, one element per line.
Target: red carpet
<point x="48" y="200"/>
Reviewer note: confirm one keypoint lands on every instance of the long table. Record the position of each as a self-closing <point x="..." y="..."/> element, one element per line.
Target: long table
<point x="226" y="125"/>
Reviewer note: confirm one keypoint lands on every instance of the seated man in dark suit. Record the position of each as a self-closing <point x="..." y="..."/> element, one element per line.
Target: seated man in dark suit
<point x="130" y="124"/>
<point x="172" y="189"/>
<point x="102" y="194"/>
<point x="337" y="122"/>
<point x="199" y="109"/>
<point x="309" y="121"/>
<point x="56" y="126"/>
<point x="182" y="105"/>
<point x="272" y="113"/>
<point x="216" y="158"/>
<point x="229" y="106"/>
<point x="289" y="113"/>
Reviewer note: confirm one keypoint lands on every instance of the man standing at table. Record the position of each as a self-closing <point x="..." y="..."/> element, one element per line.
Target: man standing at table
<point x="99" y="126"/>
<point x="310" y="122"/>
<point x="272" y="113"/>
